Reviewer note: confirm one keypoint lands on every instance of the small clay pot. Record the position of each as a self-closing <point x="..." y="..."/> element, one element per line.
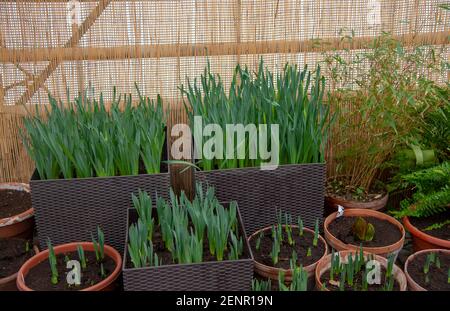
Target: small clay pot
<point x="422" y="241"/>
<point x="9" y="283"/>
<point x="382" y="251"/>
<point x="324" y="265"/>
<point x="20" y="225"/>
<point x="272" y="272"/>
<point x="413" y="286"/>
<point x="105" y="285"/>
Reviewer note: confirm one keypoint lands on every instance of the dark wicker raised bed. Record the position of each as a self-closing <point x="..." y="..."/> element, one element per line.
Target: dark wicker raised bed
<point x="226" y="275"/>
<point x="68" y="210"/>
<point x="297" y="189"/>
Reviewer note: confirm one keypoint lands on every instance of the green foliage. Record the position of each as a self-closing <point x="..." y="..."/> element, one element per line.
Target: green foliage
<point x="82" y="257"/>
<point x="140" y="248"/>
<point x="316" y="233"/>
<point x="299" y="280"/>
<point x="437" y="225"/>
<point x="293" y="99"/>
<point x="432" y="192"/>
<point x="143" y="205"/>
<point x="363" y="230"/>
<point x="236" y="247"/>
<point x="82" y="139"/>
<point x="258" y="240"/>
<point x="261" y="286"/>
<point x="300" y="226"/>
<point x="53" y="262"/>
<point x="99" y="247"/>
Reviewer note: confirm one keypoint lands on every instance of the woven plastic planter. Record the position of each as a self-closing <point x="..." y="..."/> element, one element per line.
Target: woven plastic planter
<point x="69" y="210"/>
<point x="226" y="275"/>
<point x="297" y="189"/>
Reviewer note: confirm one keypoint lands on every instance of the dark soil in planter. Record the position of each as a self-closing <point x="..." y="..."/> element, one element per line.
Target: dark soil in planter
<point x="437" y="277"/>
<point x="301" y="247"/>
<point x="424" y="222"/>
<point x="339" y="188"/>
<point x="385" y="232"/>
<point x="13" y="254"/>
<point x="13" y="202"/>
<point x="357" y="279"/>
<point x="38" y="277"/>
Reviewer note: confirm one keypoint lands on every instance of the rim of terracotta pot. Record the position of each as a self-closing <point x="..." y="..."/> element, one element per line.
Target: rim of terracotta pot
<point x="12" y="277"/>
<point x="376" y="204"/>
<point x="271" y="272"/>
<point x="71" y="247"/>
<point x="424" y="236"/>
<point x="411" y="283"/>
<point x="336" y="243"/>
<point x="19" y="217"/>
<point x="324" y="265"/>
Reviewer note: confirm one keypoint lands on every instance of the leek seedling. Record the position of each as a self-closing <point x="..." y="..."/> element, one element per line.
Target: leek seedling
<point x="82" y="257"/>
<point x="300" y="226"/>
<point x="99" y="247"/>
<point x="143" y="205"/>
<point x="308" y="252"/>
<point x="258" y="240"/>
<point x="261" y="286"/>
<point x="316" y="233"/>
<point x="53" y="262"/>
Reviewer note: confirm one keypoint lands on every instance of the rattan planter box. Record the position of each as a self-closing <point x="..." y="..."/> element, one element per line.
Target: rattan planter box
<point x="68" y="210"/>
<point x="297" y="189"/>
<point x="226" y="275"/>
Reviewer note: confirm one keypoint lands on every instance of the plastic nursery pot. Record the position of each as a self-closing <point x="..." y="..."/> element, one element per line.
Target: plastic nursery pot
<point x="9" y="283"/>
<point x="272" y="272"/>
<point x="105" y="285"/>
<point x="413" y="285"/>
<point x="324" y="265"/>
<point x="421" y="240"/>
<point x="20" y="225"/>
<point x="382" y="250"/>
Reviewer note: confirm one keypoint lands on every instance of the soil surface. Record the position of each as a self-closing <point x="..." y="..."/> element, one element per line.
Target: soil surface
<point x="339" y="188"/>
<point x="437" y="278"/>
<point x="39" y="277"/>
<point x="424" y="222"/>
<point x="357" y="279"/>
<point x="385" y="232"/>
<point x="301" y="248"/>
<point x="13" y="202"/>
<point x="13" y="254"/>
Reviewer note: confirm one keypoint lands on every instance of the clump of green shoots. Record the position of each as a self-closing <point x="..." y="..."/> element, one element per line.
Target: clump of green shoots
<point x="261" y="285"/>
<point x="363" y="230"/>
<point x="99" y="245"/>
<point x="140" y="248"/>
<point x="299" y="281"/>
<point x="143" y="205"/>
<point x="82" y="257"/>
<point x="432" y="258"/>
<point x="53" y="263"/>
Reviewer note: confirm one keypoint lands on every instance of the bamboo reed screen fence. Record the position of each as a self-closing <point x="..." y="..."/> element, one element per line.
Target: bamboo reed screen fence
<point x="158" y="43"/>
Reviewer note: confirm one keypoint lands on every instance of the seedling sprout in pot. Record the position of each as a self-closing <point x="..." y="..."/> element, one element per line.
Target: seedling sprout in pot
<point x="285" y="246"/>
<point x="179" y="240"/>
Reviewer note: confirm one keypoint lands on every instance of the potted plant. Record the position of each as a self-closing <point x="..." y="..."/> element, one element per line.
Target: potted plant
<point x="428" y="270"/>
<point x="282" y="247"/>
<point x="181" y="245"/>
<point x="16" y="213"/>
<point x="426" y="215"/>
<point x="379" y="106"/>
<point x="89" y="158"/>
<point x="376" y="232"/>
<point x="293" y="101"/>
<point x="352" y="270"/>
<point x="100" y="266"/>
<point x="298" y="281"/>
<point x="13" y="253"/>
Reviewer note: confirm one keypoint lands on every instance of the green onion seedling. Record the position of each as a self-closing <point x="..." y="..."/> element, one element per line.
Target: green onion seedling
<point x="300" y="226"/>
<point x="82" y="257"/>
<point x="99" y="247"/>
<point x="316" y="233"/>
<point x="52" y="261"/>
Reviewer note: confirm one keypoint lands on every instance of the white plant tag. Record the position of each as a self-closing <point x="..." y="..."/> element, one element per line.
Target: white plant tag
<point x="340" y="211"/>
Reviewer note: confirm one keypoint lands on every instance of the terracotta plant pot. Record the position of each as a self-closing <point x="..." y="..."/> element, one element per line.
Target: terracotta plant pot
<point x="413" y="286"/>
<point x="324" y="265"/>
<point x="20" y="225"/>
<point x="331" y="204"/>
<point x="9" y="283"/>
<point x="272" y="272"/>
<point x="382" y="251"/>
<point x="105" y="285"/>
<point x="422" y="241"/>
